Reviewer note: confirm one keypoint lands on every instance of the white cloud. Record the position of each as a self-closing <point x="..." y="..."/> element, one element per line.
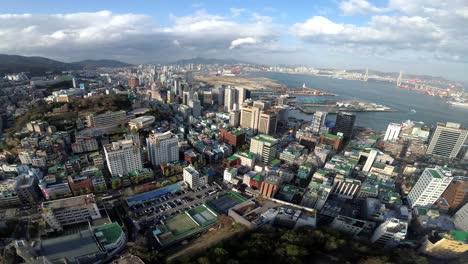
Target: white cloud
<point x="242" y="41"/>
<point x="237" y="11"/>
<point x="360" y="7"/>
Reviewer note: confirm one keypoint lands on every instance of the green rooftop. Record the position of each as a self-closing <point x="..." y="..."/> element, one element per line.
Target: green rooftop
<point x="249" y="155"/>
<point x="456" y="235"/>
<point x="332" y="136"/>
<point x="233" y="158"/>
<point x="435" y="173"/>
<point x="108" y="234"/>
<point x="238" y="132"/>
<point x="266" y="139"/>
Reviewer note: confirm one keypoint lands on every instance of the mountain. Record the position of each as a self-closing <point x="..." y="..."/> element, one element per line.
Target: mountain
<point x="37" y="66"/>
<point x="93" y="64"/>
<point x="199" y="60"/>
<point x="34" y="65"/>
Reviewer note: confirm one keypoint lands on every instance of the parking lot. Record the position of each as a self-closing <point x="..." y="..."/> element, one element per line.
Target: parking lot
<point x="152" y="211"/>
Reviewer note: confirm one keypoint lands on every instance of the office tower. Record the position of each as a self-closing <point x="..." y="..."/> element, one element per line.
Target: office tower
<point x="460" y="219"/>
<point x="241" y="95"/>
<point x="390" y="233"/>
<point x="318" y="121"/>
<point x="218" y="95"/>
<point x="456" y="194"/>
<point x="196" y="107"/>
<point x="107" y="121"/>
<point x="186" y="97"/>
<point x="447" y="140"/>
<point x="133" y="82"/>
<point x="207" y="97"/>
<point x="162" y="148"/>
<point x="344" y="124"/>
<point x="74" y="82"/>
<point x="264" y="147"/>
<point x="189" y="77"/>
<point x="429" y="187"/>
<point x="70" y="211"/>
<point x="234" y="118"/>
<point x="393" y="131"/>
<point x="230" y="98"/>
<point x="370" y="160"/>
<point x="193" y="178"/>
<point x="122" y="157"/>
<point x="448" y="245"/>
<point x="267" y="123"/>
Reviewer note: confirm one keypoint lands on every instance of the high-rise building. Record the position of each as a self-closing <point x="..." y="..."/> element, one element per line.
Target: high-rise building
<point x="456" y="194"/>
<point x="318" y="121"/>
<point x="390" y="232"/>
<point x="123" y="156"/>
<point x="162" y="148"/>
<point x="393" y="131"/>
<point x="344" y="124"/>
<point x="264" y="147"/>
<point x="447" y="140"/>
<point x="196" y="107"/>
<point x="460" y="219"/>
<point x="193" y="178"/>
<point x="241" y="95"/>
<point x="230" y="98"/>
<point x="429" y="187"/>
<point x="234" y="118"/>
<point x="370" y="160"/>
<point x="267" y="123"/>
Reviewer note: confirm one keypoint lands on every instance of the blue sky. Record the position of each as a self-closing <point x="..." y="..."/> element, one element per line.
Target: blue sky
<point x="416" y="36"/>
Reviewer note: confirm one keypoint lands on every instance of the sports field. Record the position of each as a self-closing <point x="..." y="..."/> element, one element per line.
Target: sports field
<point x="180" y="224"/>
<point x="202" y="215"/>
<point x="228" y="200"/>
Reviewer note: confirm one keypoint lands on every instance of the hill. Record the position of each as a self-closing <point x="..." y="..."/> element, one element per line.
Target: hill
<point x="93" y="64"/>
<point x="39" y="65"/>
<point x="199" y="60"/>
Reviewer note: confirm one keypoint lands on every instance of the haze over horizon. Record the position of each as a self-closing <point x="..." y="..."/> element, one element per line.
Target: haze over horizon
<point x="420" y="37"/>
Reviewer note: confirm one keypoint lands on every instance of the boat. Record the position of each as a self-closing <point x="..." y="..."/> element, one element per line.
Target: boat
<point x="459" y="104"/>
<point x="413" y="111"/>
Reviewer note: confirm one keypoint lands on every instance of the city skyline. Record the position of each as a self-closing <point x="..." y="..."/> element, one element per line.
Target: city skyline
<point x="420" y="37"/>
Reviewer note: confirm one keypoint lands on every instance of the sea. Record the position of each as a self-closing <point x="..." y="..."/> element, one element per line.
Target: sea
<point x="409" y="105"/>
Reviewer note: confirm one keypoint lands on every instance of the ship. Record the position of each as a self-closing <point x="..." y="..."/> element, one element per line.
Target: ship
<point x="459" y="104"/>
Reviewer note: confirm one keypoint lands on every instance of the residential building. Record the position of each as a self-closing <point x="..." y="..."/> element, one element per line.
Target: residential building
<point x="123" y="156"/>
<point x="460" y="219"/>
<point x="229" y="174"/>
<point x="246" y="159"/>
<point x="429" y="187"/>
<point x="318" y="121"/>
<point x="346" y="187"/>
<point x="447" y="140"/>
<point x="334" y="141"/>
<point x="390" y="233"/>
<point x="107" y="121"/>
<point x="162" y="148"/>
<point x="84" y="144"/>
<point x="264" y="147"/>
<point x="235" y="138"/>
<point x="448" y="245"/>
<point x="193" y="178"/>
<point x="456" y="193"/>
<point x="270" y="186"/>
<point x="234" y="118"/>
<point x="69" y="211"/>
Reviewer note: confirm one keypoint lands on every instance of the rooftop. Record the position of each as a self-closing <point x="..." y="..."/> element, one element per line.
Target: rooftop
<point x="267" y="139"/>
<point x="108" y="234"/>
<point x="456" y="235"/>
<point x="69" y="202"/>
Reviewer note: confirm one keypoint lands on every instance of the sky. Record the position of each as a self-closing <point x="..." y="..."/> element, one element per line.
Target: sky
<point x="413" y="36"/>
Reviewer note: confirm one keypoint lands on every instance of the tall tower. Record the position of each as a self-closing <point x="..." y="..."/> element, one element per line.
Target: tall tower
<point x="162" y="148"/>
<point x="429" y="187"/>
<point x="366" y="76"/>
<point x="399" y="79"/>
<point x="344" y="124"/>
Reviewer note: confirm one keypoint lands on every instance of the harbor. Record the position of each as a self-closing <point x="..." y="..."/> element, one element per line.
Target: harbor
<point x="343" y="106"/>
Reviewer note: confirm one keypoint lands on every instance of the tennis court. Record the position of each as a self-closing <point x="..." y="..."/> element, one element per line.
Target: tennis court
<point x="202" y="215"/>
<point x="180" y="224"/>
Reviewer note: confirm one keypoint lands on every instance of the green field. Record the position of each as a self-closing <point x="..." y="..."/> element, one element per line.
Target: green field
<point x="180" y="224"/>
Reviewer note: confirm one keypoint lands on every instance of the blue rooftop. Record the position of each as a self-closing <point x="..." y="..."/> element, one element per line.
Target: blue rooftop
<point x="153" y="194"/>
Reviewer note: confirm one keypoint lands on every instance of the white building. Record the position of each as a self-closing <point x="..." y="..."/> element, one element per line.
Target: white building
<point x="460" y="219"/>
<point x="122" y="157"/>
<point x="370" y="160"/>
<point x="229" y="174"/>
<point x="393" y="131"/>
<point x="141" y="122"/>
<point x="390" y="232"/>
<point x="447" y="140"/>
<point x="193" y="178"/>
<point x="162" y="148"/>
<point x="84" y="144"/>
<point x="264" y="147"/>
<point x="69" y="211"/>
<point x="318" y="121"/>
<point x="429" y="187"/>
<point x="230" y="98"/>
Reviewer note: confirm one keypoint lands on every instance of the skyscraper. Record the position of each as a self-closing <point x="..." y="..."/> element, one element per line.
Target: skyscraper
<point x="259" y="118"/>
<point x="122" y="157"/>
<point x="344" y="124"/>
<point x="393" y="131"/>
<point x="230" y="98"/>
<point x="460" y="219"/>
<point x="241" y="95"/>
<point x="162" y="148"/>
<point x="318" y="121"/>
<point x="447" y="140"/>
<point x="456" y="194"/>
<point x="264" y="147"/>
<point x="429" y="187"/>
<point x="267" y="123"/>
